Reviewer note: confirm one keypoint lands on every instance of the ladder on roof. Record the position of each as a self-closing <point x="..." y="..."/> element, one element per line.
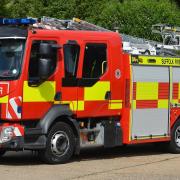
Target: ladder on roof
<point x="165" y="29"/>
<point x="169" y="33"/>
<point x="74" y="24"/>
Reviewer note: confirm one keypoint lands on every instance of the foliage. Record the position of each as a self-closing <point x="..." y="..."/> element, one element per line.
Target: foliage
<point x="3" y="9"/>
<point x="133" y="17"/>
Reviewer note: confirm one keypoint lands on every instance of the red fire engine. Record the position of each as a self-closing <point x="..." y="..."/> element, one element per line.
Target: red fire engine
<point x="61" y="90"/>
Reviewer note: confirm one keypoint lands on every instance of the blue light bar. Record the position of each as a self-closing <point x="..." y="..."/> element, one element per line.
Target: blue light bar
<point x="17" y="21"/>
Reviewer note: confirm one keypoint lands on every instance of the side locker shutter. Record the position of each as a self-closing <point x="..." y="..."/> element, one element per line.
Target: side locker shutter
<point x="150" y="113"/>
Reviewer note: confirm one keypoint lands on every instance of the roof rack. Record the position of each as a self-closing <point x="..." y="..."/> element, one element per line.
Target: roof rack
<point x="169" y="33"/>
<point x="74" y="24"/>
<point x="52" y="23"/>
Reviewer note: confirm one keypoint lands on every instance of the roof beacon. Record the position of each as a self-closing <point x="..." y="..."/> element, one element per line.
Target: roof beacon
<point x="17" y="21"/>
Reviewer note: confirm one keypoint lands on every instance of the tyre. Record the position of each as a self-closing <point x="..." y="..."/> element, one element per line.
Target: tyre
<point x="174" y="145"/>
<point x="60" y="144"/>
<point x="2" y="152"/>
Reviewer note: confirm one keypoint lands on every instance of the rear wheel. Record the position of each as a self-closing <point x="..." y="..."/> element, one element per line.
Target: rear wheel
<point x="60" y="144"/>
<point x="174" y="145"/>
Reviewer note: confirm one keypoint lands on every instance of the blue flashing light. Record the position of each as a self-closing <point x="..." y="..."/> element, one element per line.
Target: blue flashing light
<point x="17" y="21"/>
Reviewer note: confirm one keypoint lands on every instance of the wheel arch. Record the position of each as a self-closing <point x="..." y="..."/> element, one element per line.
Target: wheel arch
<point x="68" y="120"/>
<point x="60" y="113"/>
<point x="174" y="122"/>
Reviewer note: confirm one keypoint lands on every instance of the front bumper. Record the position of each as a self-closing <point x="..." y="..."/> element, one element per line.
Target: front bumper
<point x="16" y="137"/>
<point x="16" y="143"/>
<point x="11" y="136"/>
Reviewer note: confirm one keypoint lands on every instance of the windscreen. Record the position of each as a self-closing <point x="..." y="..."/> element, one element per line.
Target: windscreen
<point x="11" y="55"/>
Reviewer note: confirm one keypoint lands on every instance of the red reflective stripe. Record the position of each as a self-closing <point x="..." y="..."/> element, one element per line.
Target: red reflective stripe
<point x="18" y="101"/>
<point x="142" y="104"/>
<point x="175" y="90"/>
<point x="11" y="112"/>
<point x="13" y="108"/>
<point x="163" y="91"/>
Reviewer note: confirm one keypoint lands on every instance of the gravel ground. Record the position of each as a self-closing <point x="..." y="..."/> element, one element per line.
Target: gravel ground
<point x="126" y="163"/>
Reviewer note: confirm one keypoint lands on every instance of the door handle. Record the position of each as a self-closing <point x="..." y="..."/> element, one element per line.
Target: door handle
<point x="108" y="95"/>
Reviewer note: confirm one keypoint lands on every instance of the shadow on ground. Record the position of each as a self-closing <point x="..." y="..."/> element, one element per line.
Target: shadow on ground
<point x="31" y="158"/>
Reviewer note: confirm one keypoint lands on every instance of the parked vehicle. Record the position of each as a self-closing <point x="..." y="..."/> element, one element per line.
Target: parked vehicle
<point x="63" y="88"/>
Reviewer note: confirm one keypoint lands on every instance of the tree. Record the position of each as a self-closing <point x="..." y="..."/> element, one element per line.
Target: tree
<point x="177" y="1"/>
<point x="3" y="9"/>
<point x="136" y="17"/>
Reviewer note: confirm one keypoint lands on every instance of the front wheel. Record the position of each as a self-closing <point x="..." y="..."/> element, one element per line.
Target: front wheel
<point x="60" y="144"/>
<point x="174" y="145"/>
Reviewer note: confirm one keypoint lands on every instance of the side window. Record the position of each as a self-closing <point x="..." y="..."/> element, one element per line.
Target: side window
<point x="95" y="60"/>
<point x="71" y="58"/>
<point x="35" y="56"/>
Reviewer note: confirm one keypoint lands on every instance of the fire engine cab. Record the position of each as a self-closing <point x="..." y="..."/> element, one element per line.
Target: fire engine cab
<point x="64" y="86"/>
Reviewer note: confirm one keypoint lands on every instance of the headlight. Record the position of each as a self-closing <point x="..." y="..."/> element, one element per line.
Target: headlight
<point x="6" y="134"/>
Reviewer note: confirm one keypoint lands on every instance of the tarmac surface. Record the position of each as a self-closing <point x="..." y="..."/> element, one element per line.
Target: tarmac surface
<point x="126" y="163"/>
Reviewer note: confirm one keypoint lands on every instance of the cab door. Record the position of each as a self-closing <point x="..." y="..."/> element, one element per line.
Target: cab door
<point x="71" y="53"/>
<point x="39" y="97"/>
<point x="94" y="84"/>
